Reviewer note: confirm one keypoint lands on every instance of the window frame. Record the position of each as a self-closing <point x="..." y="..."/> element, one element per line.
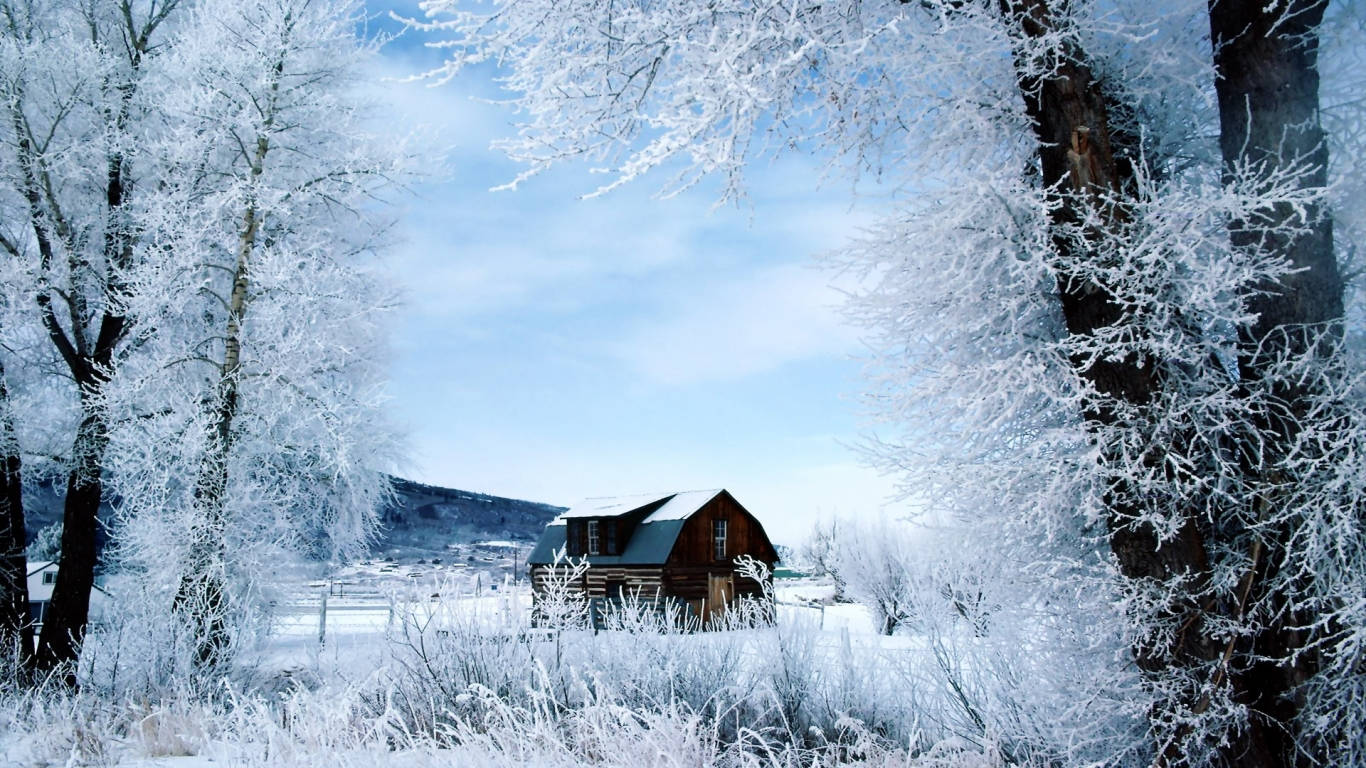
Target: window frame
<point x="611" y="542"/>
<point x="49" y="577"/>
<point x="719" y="534"/>
<point x="594" y="544"/>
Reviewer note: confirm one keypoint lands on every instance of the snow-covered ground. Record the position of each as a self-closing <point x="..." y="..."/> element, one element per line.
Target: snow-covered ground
<point x="383" y="646"/>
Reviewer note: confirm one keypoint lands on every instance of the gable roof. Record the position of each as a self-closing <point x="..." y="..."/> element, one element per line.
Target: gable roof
<point x="38" y="592"/>
<point x="652" y="540"/>
<point x="40" y="565"/>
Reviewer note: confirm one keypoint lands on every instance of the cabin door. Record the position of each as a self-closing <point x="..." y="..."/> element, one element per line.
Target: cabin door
<point x="720" y="589"/>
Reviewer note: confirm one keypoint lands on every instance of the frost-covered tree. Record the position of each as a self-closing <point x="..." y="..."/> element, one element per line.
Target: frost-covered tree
<point x="73" y="177"/>
<point x="872" y="559"/>
<point x="1108" y="307"/>
<point x="195" y="191"/>
<point x="260" y="378"/>
<point x="820" y="553"/>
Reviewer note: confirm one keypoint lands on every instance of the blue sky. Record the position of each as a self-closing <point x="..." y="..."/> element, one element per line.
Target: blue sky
<point x="552" y="347"/>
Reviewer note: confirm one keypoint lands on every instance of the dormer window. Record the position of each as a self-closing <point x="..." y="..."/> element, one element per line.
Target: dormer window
<point x="718" y="537"/>
<point x="593" y="547"/>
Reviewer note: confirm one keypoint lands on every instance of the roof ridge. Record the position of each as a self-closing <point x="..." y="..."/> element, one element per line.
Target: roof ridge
<point x="658" y="495"/>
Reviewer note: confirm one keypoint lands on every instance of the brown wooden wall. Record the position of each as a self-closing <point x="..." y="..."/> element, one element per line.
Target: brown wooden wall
<point x="691" y="582"/>
<point x="647" y="579"/>
<point x="744" y="536"/>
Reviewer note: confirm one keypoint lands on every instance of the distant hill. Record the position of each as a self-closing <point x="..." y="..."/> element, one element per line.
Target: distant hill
<point x="429" y="517"/>
<point x="422" y="517"/>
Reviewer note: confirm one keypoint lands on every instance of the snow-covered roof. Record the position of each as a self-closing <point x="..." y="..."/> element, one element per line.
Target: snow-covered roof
<point x="39" y="565"/>
<point x="611" y="506"/>
<point x="681" y="505"/>
<point x="651" y="541"/>
<point x="678" y="506"/>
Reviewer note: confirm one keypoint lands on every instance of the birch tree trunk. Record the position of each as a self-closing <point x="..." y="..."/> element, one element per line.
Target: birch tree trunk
<point x="203" y="587"/>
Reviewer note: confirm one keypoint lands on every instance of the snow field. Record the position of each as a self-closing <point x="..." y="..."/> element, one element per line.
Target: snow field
<point x="465" y="680"/>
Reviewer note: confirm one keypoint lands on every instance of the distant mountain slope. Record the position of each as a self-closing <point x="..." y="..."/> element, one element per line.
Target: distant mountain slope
<point x="422" y="517"/>
<point x="430" y="517"/>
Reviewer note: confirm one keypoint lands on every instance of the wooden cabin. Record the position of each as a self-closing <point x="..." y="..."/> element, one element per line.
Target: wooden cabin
<point x="672" y="546"/>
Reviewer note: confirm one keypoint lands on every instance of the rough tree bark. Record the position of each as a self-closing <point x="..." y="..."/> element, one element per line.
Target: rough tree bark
<point x="1081" y="157"/>
<point x="15" y="629"/>
<point x="1265" y="56"/>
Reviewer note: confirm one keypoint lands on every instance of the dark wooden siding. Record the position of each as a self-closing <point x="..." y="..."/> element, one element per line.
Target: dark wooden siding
<point x="690" y="582"/>
<point x="744" y="536"/>
<point x="648" y="580"/>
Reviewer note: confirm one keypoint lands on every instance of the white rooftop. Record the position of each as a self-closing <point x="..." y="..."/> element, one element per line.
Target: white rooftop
<point x="682" y="504"/>
<point x="605" y="506"/>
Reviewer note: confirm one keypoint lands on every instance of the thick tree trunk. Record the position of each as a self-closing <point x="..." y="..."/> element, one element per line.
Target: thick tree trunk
<point x="1266" y="59"/>
<point x="64" y="626"/>
<point x="15" y="628"/>
<point x="1265" y="55"/>
<point x="1079" y="157"/>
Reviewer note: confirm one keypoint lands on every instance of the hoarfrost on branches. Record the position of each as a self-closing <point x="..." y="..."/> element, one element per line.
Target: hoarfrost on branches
<point x="1107" y="336"/>
<point x="193" y="207"/>
<point x="260" y="378"/>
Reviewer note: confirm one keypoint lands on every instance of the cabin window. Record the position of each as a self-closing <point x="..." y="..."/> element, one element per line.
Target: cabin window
<point x="718" y="538"/>
<point x="612" y="537"/>
<point x="593" y="537"/>
<point x="50" y="577"/>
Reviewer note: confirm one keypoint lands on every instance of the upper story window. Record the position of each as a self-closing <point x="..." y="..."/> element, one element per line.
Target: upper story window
<point x="718" y="538"/>
<point x="593" y="547"/>
<point x="50" y="577"/>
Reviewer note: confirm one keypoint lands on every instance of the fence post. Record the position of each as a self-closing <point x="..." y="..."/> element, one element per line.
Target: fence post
<point x="322" y="620"/>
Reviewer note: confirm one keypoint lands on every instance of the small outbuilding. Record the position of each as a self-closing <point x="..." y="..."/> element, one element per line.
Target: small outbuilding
<point x="42" y="579"/>
<point x="672" y="546"/>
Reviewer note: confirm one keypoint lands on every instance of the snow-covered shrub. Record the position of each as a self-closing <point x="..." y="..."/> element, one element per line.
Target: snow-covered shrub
<point x="139" y="650"/>
<point x="47" y="545"/>
<point x="872" y="559"/>
<point x="439" y="653"/>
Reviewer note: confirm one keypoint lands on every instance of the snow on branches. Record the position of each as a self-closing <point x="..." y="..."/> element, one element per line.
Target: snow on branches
<point x="1084" y="306"/>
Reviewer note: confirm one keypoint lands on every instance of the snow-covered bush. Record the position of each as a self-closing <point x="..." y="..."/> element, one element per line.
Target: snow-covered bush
<point x="874" y="560"/>
<point x="47" y="545"/>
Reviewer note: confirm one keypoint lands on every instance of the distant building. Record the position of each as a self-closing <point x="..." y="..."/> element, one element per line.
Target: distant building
<point x="42" y="577"/>
<point x="671" y="546"/>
